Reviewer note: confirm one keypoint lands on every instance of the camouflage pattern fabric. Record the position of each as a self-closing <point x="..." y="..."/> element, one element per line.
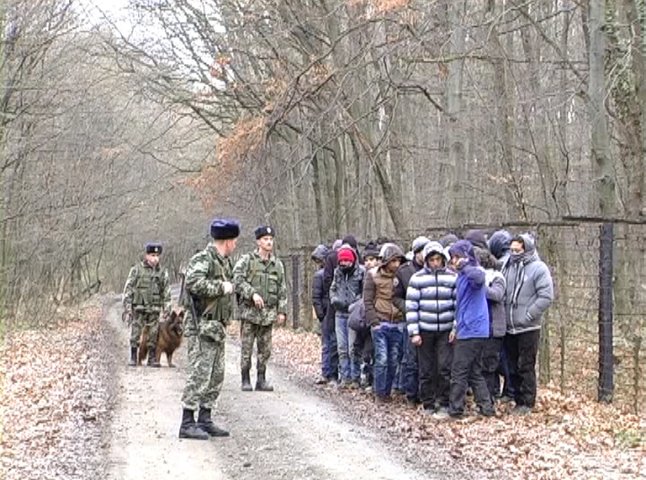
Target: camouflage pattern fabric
<point x="141" y="320"/>
<point x="262" y="335"/>
<point x="147" y="289"/>
<point x="205" y="373"/>
<point x="253" y="275"/>
<point x="205" y="274"/>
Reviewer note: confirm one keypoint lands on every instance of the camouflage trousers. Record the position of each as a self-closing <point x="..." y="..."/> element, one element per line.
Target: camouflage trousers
<point x="262" y="335"/>
<point x="205" y="371"/>
<point x="147" y="320"/>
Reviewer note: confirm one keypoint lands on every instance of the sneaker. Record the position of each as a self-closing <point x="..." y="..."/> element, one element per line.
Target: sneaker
<point x="505" y="399"/>
<point x="382" y="399"/>
<point x="412" y="401"/>
<point x="441" y="413"/>
<point x="321" y="380"/>
<point x="521" y="410"/>
<point x="489" y="412"/>
<point x="427" y="411"/>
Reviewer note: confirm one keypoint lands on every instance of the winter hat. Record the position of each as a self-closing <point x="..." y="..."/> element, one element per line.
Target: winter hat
<point x="352" y="241"/>
<point x="224" y="229"/>
<point x="419" y="243"/>
<point x="346" y="254"/>
<point x="371" y="250"/>
<point x="448" y="240"/>
<point x="153" y="247"/>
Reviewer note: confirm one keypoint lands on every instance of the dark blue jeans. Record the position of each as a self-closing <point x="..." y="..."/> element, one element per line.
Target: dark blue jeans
<point x="410" y="373"/>
<point x="329" y="354"/>
<point x="387" y="343"/>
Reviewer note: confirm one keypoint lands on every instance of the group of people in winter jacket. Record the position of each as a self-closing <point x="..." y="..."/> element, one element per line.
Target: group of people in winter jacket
<point x="450" y="316"/>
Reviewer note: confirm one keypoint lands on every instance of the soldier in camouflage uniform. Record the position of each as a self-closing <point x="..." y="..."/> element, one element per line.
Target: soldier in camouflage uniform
<point x="262" y="297"/>
<point x="208" y="303"/>
<point x="146" y="295"/>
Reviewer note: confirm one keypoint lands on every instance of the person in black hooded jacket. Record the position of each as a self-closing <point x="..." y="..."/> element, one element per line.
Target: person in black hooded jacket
<point x="321" y="302"/>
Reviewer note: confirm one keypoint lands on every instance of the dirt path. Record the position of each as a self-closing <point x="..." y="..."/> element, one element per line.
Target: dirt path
<point x="288" y="434"/>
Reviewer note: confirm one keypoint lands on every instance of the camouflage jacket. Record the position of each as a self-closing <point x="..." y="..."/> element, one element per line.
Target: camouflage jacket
<point x="147" y="289"/>
<point x="206" y="273"/>
<point x="252" y="275"/>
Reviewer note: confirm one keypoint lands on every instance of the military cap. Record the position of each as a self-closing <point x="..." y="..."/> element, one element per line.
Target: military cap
<point x="224" y="229"/>
<point x="152" y="247"/>
<point x="263" y="231"/>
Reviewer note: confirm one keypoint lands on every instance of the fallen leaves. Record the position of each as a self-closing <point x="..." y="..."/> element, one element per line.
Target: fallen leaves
<point x="54" y="403"/>
<point x="567" y="436"/>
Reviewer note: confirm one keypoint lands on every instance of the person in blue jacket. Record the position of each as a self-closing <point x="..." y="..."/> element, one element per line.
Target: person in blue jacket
<point x="471" y="333"/>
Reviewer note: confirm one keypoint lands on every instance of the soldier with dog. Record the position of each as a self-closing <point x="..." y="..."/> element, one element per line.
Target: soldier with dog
<point x="208" y="302"/>
<point x="146" y="295"/>
<point x="262" y="298"/>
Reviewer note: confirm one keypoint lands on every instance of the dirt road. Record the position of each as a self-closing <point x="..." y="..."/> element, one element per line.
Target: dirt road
<point x="288" y="434"/>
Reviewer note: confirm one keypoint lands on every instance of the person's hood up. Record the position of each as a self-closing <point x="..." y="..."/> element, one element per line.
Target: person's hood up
<point x="320" y="252"/>
<point x="352" y="241"/>
<point x="390" y="251"/>
<point x="499" y="243"/>
<point x="464" y="248"/>
<point x="434" y="247"/>
<point x="477" y="238"/>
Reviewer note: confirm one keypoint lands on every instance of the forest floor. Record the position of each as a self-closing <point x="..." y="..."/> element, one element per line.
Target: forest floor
<point x="71" y="409"/>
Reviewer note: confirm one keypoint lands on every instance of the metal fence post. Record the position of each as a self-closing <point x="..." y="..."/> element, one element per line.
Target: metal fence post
<point x="606" y="367"/>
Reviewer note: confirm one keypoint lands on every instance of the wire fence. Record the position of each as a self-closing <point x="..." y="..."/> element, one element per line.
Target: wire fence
<point x="592" y="337"/>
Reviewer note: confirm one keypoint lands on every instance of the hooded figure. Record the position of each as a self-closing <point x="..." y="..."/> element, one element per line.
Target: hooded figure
<point x="473" y="314"/>
<point x="430" y="314"/>
<point x="320" y="299"/>
<point x="529" y="292"/>
<point x="499" y="246"/>
<point x="530" y="289"/>
<point x="477" y="238"/>
<point x="472" y="331"/>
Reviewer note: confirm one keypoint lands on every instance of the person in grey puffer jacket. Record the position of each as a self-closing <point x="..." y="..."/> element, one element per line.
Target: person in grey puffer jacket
<point x="430" y="314"/>
<point x="529" y="293"/>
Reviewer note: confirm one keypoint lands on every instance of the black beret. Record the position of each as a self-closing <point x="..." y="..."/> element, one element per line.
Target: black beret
<point x="153" y="247"/>
<point x="264" y="231"/>
<point x="224" y="229"/>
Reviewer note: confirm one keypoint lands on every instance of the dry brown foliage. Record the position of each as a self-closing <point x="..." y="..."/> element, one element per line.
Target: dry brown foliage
<point x="54" y="403"/>
<point x="566" y="436"/>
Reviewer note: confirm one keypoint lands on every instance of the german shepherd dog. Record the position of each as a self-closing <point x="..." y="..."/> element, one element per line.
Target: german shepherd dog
<point x="169" y="338"/>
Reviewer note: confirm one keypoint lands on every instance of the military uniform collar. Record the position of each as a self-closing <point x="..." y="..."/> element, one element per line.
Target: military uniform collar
<point x="271" y="259"/>
<point x="210" y="248"/>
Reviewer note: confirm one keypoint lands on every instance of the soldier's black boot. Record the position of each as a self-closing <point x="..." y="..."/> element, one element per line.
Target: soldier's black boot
<point x="133" y="357"/>
<point x="246" y="381"/>
<point x="205" y="423"/>
<point x="189" y="429"/>
<point x="152" y="359"/>
<point x="263" y="385"/>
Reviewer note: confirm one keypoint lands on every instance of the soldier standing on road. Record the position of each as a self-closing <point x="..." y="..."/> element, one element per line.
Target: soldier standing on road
<point x="208" y="303"/>
<point x="260" y="283"/>
<point x="145" y="295"/>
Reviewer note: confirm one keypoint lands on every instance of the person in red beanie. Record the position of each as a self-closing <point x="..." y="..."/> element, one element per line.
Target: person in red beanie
<point x="346" y="289"/>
